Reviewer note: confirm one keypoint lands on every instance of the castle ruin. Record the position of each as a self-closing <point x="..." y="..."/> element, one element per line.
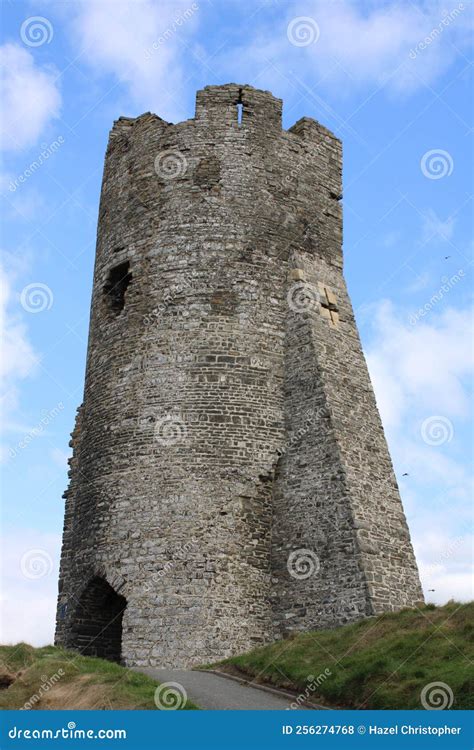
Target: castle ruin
<point x="230" y="480"/>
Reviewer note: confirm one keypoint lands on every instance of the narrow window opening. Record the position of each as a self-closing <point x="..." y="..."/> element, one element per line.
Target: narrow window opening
<point x="116" y="286"/>
<point x="240" y="108"/>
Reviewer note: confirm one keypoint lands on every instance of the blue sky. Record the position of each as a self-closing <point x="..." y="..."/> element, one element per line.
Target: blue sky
<point x="392" y="79"/>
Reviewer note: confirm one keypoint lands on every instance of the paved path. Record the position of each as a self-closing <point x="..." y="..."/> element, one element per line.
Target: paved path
<point x="213" y="692"/>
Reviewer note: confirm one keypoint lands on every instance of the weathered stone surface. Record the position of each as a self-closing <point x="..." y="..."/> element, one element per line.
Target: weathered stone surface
<point x="229" y="429"/>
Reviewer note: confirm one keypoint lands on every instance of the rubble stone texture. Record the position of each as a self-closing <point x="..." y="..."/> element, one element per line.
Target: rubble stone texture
<point x="230" y="479"/>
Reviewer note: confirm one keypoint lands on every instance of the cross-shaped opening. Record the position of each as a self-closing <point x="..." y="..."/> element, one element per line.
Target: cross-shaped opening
<point x="329" y="307"/>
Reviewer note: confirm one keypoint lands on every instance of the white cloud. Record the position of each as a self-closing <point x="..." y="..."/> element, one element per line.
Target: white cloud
<point x="445" y="567"/>
<point x="419" y="372"/>
<point x="422" y="366"/>
<point x="371" y="45"/>
<point x="138" y="43"/>
<point x="27" y="204"/>
<point x="434" y="228"/>
<point x="30" y="98"/>
<point x="421" y="281"/>
<point x="355" y="44"/>
<point x="29" y="587"/>
<point x="18" y="359"/>
<point x="60" y="457"/>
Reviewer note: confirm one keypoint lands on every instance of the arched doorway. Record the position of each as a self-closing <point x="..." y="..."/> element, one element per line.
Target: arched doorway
<point x="97" y="627"/>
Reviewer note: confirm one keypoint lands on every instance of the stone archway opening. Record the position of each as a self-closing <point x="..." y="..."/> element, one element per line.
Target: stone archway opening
<point x="97" y="628"/>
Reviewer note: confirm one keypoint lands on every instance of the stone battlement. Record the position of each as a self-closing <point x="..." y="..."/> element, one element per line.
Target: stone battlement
<point x="242" y="106"/>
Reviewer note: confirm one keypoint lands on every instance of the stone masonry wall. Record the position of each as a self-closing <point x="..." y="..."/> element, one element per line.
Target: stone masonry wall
<point x="227" y="421"/>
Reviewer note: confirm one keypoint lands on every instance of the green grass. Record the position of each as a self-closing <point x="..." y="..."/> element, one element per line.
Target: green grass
<point x="382" y="662"/>
<point x="72" y="681"/>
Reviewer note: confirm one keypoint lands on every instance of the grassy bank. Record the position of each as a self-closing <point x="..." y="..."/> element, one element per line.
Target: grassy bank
<point x="382" y="662"/>
<point x="51" y="678"/>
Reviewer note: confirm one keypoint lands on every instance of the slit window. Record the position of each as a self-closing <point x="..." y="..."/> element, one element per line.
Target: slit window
<point x="116" y="286"/>
<point x="240" y="108"/>
<point x="240" y="111"/>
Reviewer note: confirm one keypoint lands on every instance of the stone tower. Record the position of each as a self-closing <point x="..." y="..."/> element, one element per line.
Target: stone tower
<point x="230" y="478"/>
